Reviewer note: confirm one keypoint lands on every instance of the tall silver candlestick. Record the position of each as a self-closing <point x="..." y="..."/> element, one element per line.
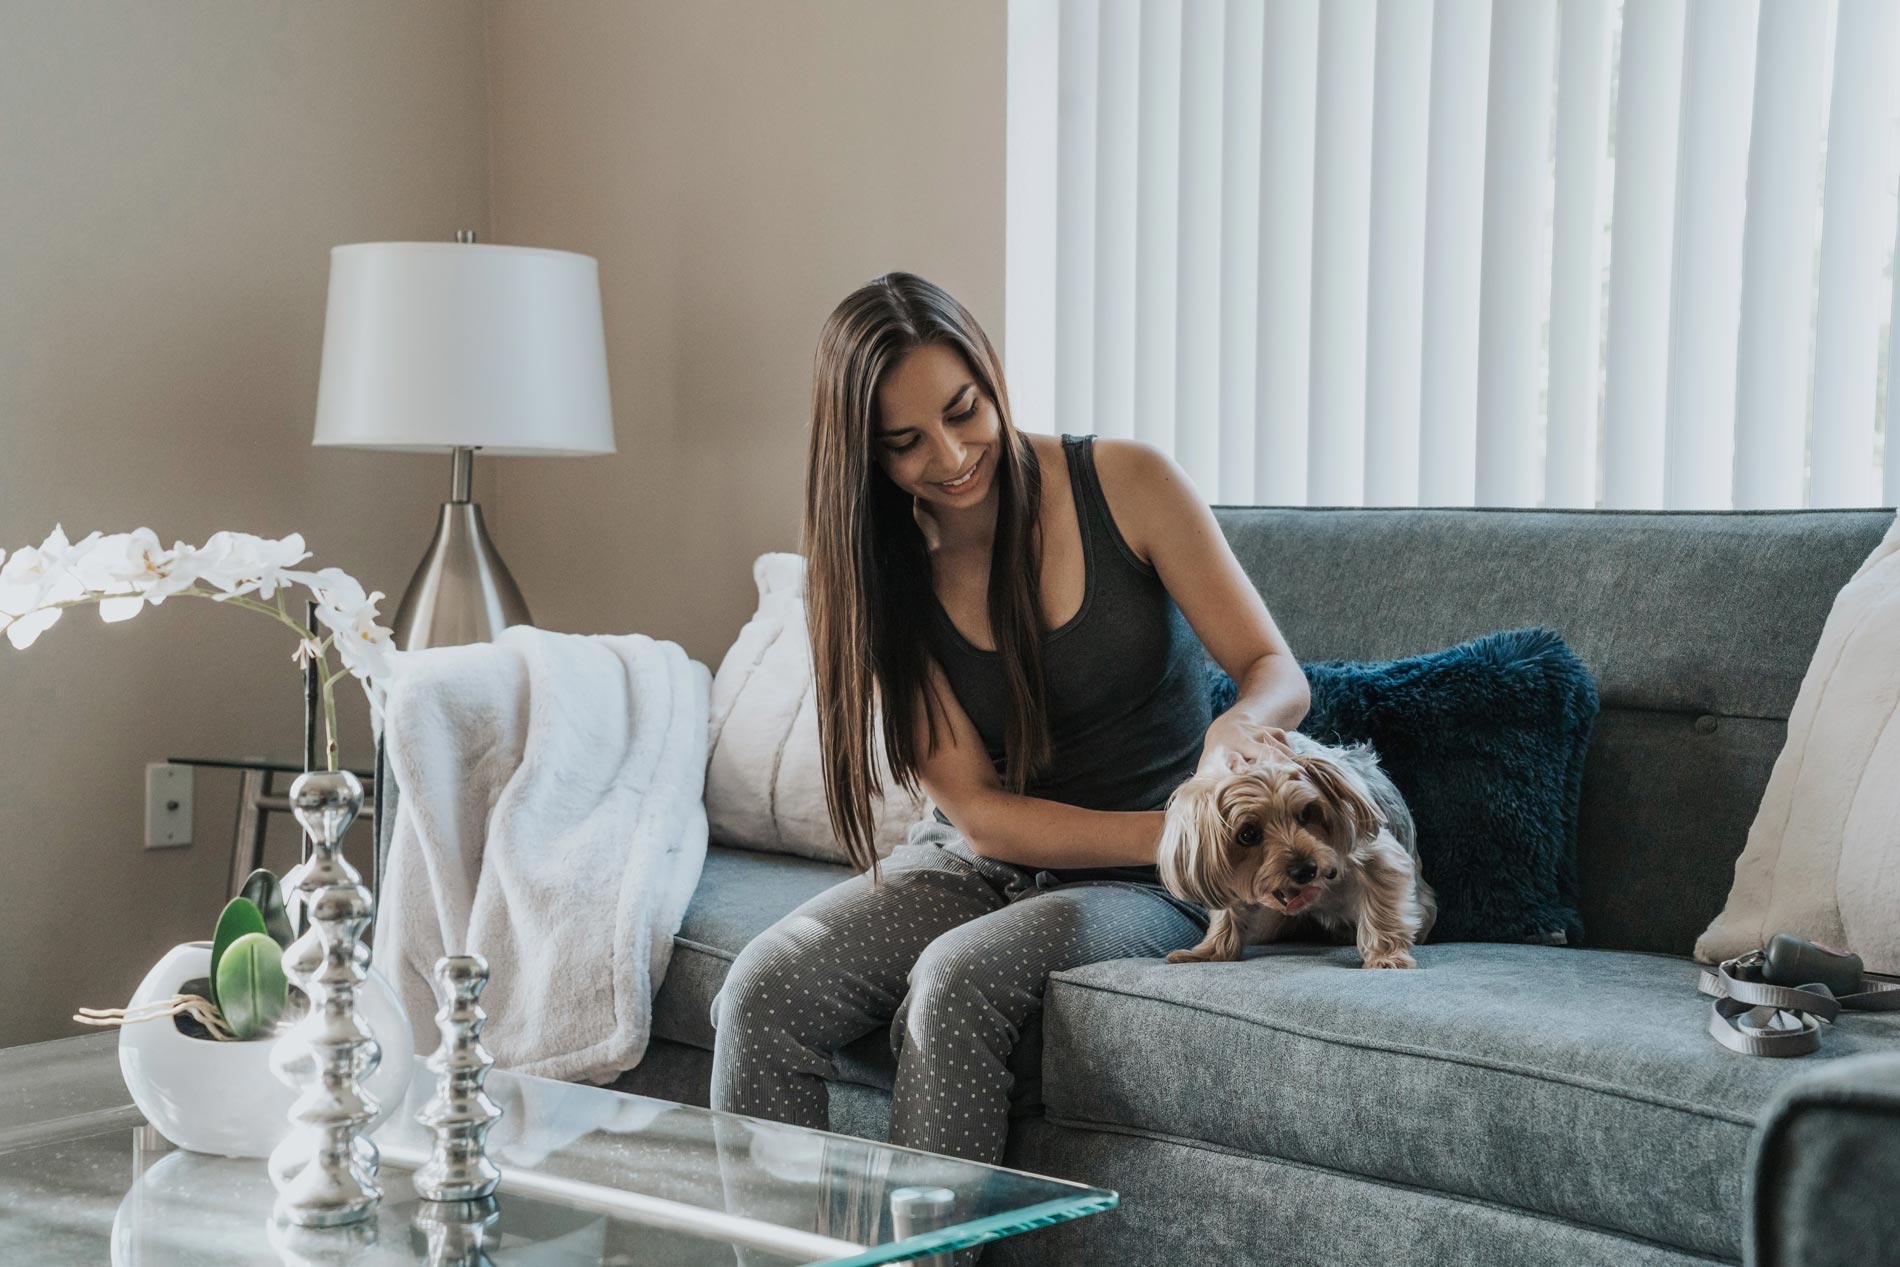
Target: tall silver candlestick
<point x="325" y="802"/>
<point x="460" y="1112"/>
<point x="325" y="1169"/>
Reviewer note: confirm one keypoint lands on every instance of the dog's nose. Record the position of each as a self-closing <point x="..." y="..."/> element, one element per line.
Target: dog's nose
<point x="1303" y="872"/>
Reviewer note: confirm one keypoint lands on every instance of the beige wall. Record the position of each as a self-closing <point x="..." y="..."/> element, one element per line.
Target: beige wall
<point x="171" y="179"/>
<point x="737" y="168"/>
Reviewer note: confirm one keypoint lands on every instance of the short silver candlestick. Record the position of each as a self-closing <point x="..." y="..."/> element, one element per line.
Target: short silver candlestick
<point x="325" y="1169"/>
<point x="460" y="1112"/>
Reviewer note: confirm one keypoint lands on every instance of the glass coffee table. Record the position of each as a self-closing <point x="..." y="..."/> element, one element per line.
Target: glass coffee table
<point x="589" y="1176"/>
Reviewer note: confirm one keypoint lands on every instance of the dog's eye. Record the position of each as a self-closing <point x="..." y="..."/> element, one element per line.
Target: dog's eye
<point x="1309" y="813"/>
<point x="1249" y="835"/>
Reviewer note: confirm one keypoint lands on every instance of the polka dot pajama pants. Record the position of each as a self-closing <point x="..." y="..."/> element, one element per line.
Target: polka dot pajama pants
<point x="952" y="951"/>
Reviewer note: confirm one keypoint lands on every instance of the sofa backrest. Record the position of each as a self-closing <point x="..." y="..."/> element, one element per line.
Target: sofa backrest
<point x="1698" y="627"/>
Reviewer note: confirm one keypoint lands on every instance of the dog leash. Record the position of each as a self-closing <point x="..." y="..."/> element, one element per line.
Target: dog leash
<point x="1758" y="1018"/>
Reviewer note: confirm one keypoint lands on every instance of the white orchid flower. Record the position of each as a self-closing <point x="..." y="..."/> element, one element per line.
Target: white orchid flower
<point x="35" y="577"/>
<point x="240" y="562"/>
<point x="177" y="569"/>
<point x="124" y="571"/>
<point x="126" y="565"/>
<point x="365" y="648"/>
<point x="361" y="643"/>
<point x="22" y="632"/>
<point x="344" y="608"/>
<point x="19" y="589"/>
<point x="55" y="550"/>
<point x="34" y="568"/>
<point x="333" y="587"/>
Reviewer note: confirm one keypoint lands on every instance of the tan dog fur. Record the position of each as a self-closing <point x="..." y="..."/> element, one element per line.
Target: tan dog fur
<point x="1276" y="849"/>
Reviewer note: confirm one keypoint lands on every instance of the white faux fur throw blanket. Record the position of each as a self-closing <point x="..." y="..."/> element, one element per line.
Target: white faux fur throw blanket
<point x="550" y="818"/>
<point x="1823" y="856"/>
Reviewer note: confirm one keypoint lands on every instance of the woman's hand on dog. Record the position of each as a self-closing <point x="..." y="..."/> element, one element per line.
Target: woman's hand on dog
<point x="1233" y="743"/>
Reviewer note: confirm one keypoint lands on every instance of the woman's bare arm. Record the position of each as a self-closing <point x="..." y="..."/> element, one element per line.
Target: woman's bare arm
<point x="1026" y="830"/>
<point x="1166" y="523"/>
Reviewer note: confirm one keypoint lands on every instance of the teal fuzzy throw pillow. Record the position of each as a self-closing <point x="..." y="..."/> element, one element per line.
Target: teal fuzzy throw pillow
<point x="1486" y="742"/>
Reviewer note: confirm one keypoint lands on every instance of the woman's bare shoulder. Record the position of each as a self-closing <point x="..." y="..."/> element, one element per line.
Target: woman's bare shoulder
<point x="1144" y="489"/>
<point x="1055" y="466"/>
<point x="1047" y="448"/>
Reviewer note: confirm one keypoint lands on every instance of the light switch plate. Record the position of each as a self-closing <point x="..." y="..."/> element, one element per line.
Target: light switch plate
<point x="167" y="805"/>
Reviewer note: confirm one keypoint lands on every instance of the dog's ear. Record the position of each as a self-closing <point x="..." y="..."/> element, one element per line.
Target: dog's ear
<point x="1351" y="806"/>
<point x="1192" y="858"/>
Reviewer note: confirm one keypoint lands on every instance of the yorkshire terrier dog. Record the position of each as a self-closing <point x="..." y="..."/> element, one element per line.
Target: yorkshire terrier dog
<point x="1280" y="849"/>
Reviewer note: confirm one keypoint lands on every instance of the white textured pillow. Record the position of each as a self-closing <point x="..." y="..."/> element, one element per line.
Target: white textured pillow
<point x="764" y="785"/>
<point x="1823" y="857"/>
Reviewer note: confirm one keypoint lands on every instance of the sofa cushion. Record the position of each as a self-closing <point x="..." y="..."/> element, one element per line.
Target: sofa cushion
<point x="765" y="785"/>
<point x="741" y="893"/>
<point x="1580" y="1084"/>
<point x="1820" y="861"/>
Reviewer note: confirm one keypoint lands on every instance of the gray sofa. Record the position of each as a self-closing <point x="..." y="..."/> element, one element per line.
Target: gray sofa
<point x="1505" y="1104"/>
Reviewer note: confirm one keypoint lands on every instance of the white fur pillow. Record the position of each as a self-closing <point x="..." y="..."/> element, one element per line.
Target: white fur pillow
<point x="1822" y="860"/>
<point x="764" y="788"/>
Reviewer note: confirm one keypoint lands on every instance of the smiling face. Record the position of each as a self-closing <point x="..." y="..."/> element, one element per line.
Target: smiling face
<point x="938" y="435"/>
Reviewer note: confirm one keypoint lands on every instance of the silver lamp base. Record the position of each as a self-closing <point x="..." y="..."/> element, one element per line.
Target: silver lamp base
<point x="462" y="592"/>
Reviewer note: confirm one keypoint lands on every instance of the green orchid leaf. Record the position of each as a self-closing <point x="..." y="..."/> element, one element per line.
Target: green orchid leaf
<point x="251" y="987"/>
<point x="240" y="917"/>
<point x="262" y="887"/>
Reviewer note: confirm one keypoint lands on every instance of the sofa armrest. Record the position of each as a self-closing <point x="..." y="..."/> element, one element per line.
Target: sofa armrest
<point x="1825" y="1166"/>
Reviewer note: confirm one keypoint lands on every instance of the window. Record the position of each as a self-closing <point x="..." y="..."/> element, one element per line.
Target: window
<point x="1451" y="252"/>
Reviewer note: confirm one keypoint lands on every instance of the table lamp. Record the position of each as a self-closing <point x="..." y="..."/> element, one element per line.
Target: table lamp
<point x="454" y="347"/>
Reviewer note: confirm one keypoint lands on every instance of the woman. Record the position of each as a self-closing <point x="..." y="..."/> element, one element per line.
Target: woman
<point x="1019" y="622"/>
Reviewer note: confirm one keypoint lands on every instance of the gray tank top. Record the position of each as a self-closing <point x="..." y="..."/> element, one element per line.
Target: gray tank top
<point x="1126" y="679"/>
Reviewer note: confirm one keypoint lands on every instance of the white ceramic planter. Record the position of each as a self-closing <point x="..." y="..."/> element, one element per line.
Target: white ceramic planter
<point x="222" y="1098"/>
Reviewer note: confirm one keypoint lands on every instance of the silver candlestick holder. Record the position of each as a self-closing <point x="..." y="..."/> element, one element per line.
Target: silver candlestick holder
<point x="325" y="1169"/>
<point x="455" y="1231"/>
<point x="326" y="802"/>
<point x="460" y="1112"/>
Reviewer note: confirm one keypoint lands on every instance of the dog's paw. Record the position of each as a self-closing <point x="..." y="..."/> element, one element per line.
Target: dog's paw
<point x="1188" y="956"/>
<point x="1391" y="959"/>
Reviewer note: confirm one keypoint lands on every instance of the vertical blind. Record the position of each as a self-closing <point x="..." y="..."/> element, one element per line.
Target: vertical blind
<point x="1621" y="253"/>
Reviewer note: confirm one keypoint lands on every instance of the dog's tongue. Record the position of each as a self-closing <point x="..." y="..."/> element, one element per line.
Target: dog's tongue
<point x="1301" y="902"/>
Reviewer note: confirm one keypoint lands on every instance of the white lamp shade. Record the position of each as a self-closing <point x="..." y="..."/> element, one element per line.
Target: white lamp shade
<point x="431" y="346"/>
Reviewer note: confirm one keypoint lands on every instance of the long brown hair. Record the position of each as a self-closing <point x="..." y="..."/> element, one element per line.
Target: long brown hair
<point x="868" y="574"/>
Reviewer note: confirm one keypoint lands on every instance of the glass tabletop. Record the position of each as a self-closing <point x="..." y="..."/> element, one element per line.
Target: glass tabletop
<point x="273" y="764"/>
<point x="589" y="1175"/>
